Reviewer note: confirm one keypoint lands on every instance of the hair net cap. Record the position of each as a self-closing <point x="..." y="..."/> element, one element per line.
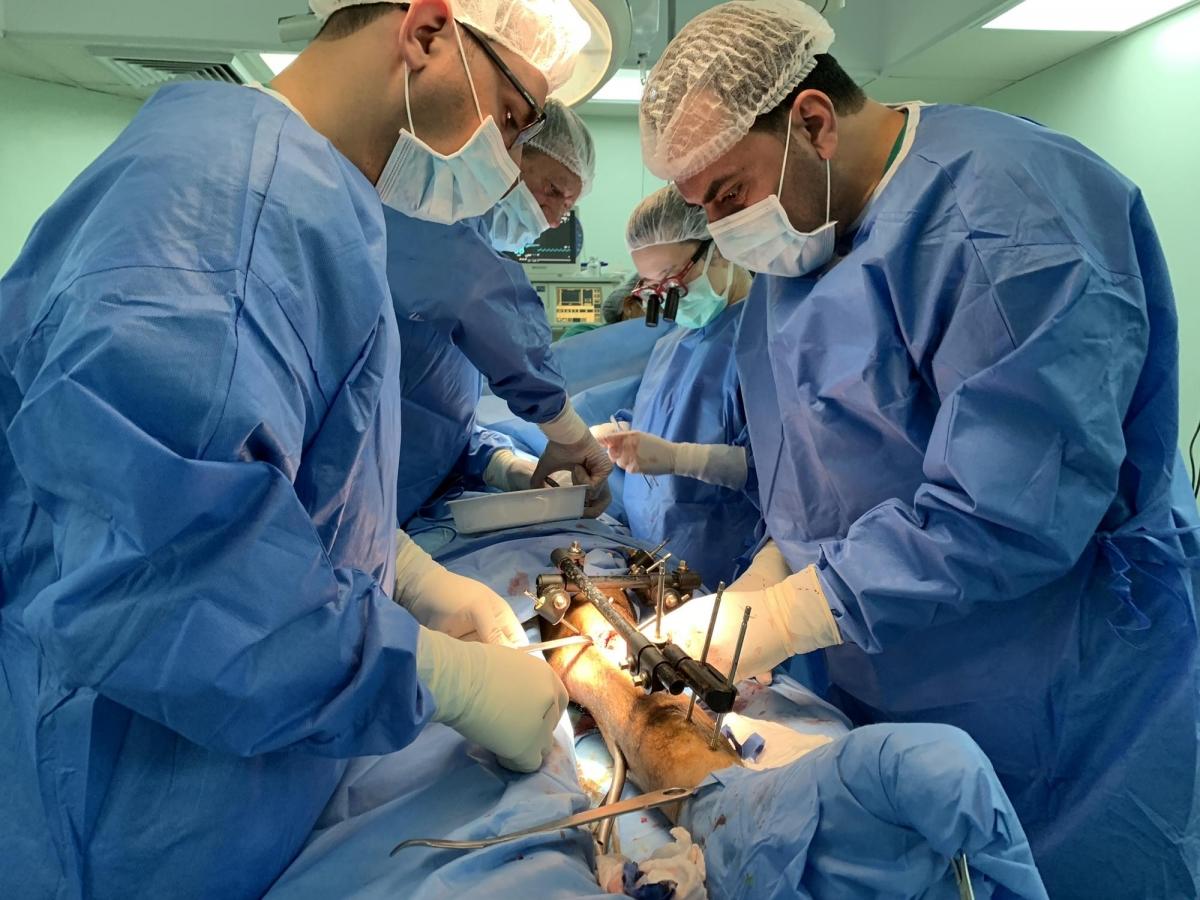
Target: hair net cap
<point x="728" y="66"/>
<point x="548" y="34"/>
<point x="565" y="138"/>
<point x="665" y="218"/>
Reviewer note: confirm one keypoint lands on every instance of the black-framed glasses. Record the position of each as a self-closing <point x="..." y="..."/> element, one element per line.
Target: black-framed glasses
<point x="538" y="122"/>
<point x="663" y="297"/>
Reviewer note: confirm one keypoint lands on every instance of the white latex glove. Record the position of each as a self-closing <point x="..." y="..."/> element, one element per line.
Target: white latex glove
<point x="454" y="605"/>
<point x="787" y="618"/>
<point x="504" y="699"/>
<point x="604" y="429"/>
<point x="767" y="568"/>
<point x="573" y="448"/>
<point x="509" y="471"/>
<point x="640" y="451"/>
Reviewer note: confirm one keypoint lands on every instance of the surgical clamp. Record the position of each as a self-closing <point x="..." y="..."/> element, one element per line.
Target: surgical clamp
<point x="608" y="811"/>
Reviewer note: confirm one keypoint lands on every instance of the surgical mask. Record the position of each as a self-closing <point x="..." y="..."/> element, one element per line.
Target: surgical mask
<point x="761" y="238"/>
<point x="702" y="303"/>
<point x="420" y="182"/>
<point x="518" y="221"/>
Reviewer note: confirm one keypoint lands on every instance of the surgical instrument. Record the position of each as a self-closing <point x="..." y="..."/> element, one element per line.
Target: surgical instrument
<point x="635" y="804"/>
<point x="712" y="625"/>
<point x="650" y="482"/>
<point x="652" y="665"/>
<point x="737" y="655"/>
<point x="571" y="641"/>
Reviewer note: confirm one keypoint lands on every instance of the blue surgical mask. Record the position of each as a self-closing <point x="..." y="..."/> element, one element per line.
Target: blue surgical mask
<point x="761" y="237"/>
<point x="702" y="303"/>
<point x="518" y="221"/>
<point x="420" y="182"/>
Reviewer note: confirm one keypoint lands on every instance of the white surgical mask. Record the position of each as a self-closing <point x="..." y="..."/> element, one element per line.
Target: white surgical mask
<point x="761" y="237"/>
<point x="518" y="220"/>
<point x="702" y="303"/>
<point x="422" y="183"/>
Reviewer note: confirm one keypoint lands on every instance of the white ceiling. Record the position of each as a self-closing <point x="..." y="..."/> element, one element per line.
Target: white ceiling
<point x="932" y="50"/>
<point x="898" y="49"/>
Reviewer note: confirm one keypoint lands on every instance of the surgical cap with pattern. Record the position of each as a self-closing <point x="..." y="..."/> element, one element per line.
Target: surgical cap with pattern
<point x="548" y="34"/>
<point x="665" y="218"/>
<point x="728" y="66"/>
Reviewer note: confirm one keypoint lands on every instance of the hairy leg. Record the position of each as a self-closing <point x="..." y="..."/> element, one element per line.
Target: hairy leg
<point x="661" y="748"/>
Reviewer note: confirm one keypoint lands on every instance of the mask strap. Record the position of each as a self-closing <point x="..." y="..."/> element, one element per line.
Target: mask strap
<point x="828" y="190"/>
<point x="787" y="145"/>
<point x="408" y="103"/>
<point x="471" y="81"/>
<point x="707" y="273"/>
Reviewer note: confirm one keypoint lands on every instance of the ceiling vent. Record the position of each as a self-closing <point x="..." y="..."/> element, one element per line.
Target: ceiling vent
<point x="142" y="68"/>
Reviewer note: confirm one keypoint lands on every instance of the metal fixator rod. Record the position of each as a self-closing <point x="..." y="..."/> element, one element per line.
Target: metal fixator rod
<point x="662" y="562"/>
<point x="737" y="655"/>
<point x="712" y="625"/>
<point x="662" y="595"/>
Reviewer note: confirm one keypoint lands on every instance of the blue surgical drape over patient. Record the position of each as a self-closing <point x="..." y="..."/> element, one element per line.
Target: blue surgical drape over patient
<point x="465" y="313"/>
<point x="199" y="377"/>
<point x="969" y="424"/>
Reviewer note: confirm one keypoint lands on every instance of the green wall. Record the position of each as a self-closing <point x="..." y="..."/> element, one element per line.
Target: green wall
<point x="1135" y="101"/>
<point x="621" y="181"/>
<point x="48" y="135"/>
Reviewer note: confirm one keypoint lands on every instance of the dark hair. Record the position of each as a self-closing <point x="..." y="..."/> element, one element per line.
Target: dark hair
<point x="351" y="19"/>
<point x="831" y="80"/>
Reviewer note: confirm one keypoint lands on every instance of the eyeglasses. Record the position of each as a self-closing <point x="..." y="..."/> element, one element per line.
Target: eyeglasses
<point x="664" y="296"/>
<point x="534" y="127"/>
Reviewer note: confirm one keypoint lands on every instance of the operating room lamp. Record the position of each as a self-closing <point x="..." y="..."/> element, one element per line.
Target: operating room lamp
<point x="611" y="23"/>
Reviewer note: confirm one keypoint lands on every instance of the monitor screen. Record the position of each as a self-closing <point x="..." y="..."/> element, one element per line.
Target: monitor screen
<point x="561" y="244"/>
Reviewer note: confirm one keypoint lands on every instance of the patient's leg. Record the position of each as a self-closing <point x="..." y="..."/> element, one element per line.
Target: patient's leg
<point x="660" y="747"/>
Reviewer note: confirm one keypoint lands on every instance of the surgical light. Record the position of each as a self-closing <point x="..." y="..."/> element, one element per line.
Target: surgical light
<point x="1082" y="15"/>
<point x="624" y="87"/>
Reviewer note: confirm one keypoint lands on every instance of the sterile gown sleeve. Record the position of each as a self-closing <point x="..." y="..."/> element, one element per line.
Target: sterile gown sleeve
<point x="483" y="446"/>
<point x="193" y="586"/>
<point x="506" y="335"/>
<point x="1036" y="363"/>
<point x="489" y="307"/>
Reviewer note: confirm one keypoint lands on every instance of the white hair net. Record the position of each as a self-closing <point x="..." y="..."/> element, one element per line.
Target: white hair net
<point x="665" y="218"/>
<point x="548" y="34"/>
<point x="728" y="66"/>
<point x="567" y="139"/>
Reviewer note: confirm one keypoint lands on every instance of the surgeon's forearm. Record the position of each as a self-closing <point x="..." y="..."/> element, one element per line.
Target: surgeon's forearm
<point x="660" y="747"/>
<point x="719" y="464"/>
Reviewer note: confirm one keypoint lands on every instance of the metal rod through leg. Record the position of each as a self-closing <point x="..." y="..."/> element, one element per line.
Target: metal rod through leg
<point x="712" y="625"/>
<point x="662" y="595"/>
<point x="737" y="655"/>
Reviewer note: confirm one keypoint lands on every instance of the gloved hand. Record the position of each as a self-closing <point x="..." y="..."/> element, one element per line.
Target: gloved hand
<point x="573" y="448"/>
<point x="787" y="618"/>
<point x="767" y="568"/>
<point x="504" y="699"/>
<point x="639" y="451"/>
<point x="509" y="471"/>
<point x="604" y="429"/>
<point x="454" y="605"/>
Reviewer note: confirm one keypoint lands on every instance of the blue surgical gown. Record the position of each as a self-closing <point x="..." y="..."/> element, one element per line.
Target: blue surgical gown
<point x="970" y="424"/>
<point x="201" y="417"/>
<point x="465" y="313"/>
<point x="689" y="392"/>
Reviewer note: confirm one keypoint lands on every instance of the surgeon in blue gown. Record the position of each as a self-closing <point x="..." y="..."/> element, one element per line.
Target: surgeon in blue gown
<point x="688" y="424"/>
<point x="200" y="412"/>
<point x="960" y="367"/>
<point x="479" y="317"/>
